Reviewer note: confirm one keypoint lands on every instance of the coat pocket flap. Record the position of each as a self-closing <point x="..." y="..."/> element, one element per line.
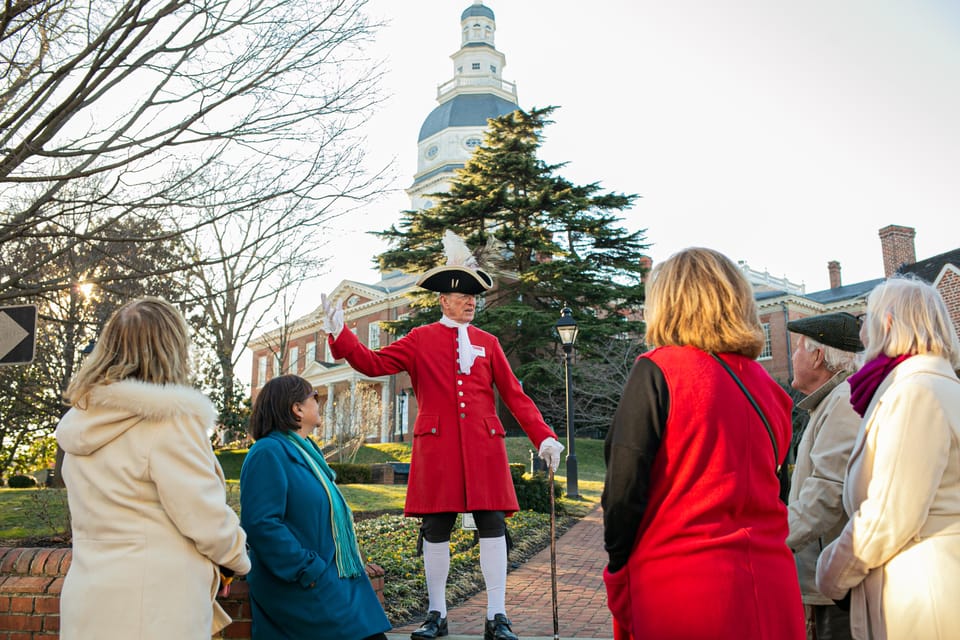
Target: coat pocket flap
<point x="427" y="426"/>
<point x="494" y="427"/>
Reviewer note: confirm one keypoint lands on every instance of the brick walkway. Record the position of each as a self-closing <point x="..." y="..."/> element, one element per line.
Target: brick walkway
<point x="581" y="598"/>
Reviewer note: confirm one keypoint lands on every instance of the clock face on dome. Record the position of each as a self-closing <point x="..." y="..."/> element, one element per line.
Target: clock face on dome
<point x="432" y="152"/>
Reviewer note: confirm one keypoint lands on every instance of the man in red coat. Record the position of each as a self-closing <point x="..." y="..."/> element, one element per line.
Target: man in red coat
<point x="459" y="460"/>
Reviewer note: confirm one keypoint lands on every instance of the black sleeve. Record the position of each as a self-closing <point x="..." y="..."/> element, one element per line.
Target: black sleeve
<point x="629" y="452"/>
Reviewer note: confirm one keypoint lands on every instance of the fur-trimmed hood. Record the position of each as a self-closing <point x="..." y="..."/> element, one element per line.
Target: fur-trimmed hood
<point x="113" y="409"/>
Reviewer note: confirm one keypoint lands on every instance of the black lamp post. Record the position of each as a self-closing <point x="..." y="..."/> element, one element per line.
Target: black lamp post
<point x="567" y="329"/>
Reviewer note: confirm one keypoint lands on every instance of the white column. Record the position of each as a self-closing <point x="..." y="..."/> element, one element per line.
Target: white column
<point x="328" y="415"/>
<point x="353" y="407"/>
<point x="385" y="412"/>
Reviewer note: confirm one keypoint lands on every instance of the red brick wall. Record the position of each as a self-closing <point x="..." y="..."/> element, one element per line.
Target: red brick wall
<point x="949" y="287"/>
<point x="31" y="580"/>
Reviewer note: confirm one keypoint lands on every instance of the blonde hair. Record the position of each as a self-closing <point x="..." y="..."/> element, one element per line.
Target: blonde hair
<point x="907" y="315"/>
<point x="146" y="339"/>
<point x="698" y="297"/>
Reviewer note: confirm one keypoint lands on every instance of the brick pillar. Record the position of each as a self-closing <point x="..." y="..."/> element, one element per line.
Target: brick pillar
<point x="834" y="268"/>
<point x="31" y="580"/>
<point x="896" y="243"/>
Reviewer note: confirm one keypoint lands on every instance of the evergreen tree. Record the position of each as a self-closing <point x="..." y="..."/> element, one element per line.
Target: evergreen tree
<point x="548" y="243"/>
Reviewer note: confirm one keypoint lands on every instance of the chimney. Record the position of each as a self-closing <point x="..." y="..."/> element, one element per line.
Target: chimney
<point x="834" y="268"/>
<point x="897" y="245"/>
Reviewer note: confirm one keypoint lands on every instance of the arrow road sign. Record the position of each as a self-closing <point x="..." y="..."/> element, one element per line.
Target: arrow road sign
<point x="18" y="328"/>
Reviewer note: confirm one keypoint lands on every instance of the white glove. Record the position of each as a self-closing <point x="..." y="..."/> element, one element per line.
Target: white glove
<point x="550" y="451"/>
<point x="332" y="315"/>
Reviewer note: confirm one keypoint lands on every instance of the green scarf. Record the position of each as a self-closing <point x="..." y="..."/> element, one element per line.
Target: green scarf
<point x="349" y="564"/>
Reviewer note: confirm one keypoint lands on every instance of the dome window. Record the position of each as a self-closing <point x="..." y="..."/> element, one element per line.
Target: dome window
<point x="432" y="152"/>
<point x="475" y="66"/>
<point x="471" y="143"/>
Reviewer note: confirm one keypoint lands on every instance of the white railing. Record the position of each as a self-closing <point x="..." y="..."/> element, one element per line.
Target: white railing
<point x="476" y="82"/>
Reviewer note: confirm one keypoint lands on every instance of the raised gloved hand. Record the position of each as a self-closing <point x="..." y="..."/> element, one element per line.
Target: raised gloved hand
<point x="332" y="315"/>
<point x="550" y="451"/>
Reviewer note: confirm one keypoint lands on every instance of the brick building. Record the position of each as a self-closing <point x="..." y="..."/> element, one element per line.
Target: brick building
<point x="384" y="408"/>
<point x="898" y="257"/>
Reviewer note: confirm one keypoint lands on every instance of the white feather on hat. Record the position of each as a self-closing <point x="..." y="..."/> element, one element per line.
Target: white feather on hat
<point x="457" y="252"/>
<point x="461" y="273"/>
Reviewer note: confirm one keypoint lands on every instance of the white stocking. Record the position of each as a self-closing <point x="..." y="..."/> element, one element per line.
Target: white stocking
<point x="436" y="566"/>
<point x="493" y="564"/>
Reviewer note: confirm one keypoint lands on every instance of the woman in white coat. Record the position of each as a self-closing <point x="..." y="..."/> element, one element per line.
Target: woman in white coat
<point x="147" y="496"/>
<point x="899" y="554"/>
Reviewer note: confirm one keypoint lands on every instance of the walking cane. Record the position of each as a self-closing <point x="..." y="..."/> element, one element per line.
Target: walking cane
<point x="553" y="557"/>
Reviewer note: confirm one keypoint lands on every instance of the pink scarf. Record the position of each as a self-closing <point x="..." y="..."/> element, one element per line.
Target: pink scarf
<point x="864" y="383"/>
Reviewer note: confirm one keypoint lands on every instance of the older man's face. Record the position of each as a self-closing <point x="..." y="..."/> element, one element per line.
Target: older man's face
<point x="459" y="307"/>
<point x="809" y="371"/>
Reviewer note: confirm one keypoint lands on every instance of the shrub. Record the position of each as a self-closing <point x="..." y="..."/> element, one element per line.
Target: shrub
<point x="20" y="481"/>
<point x="352" y="473"/>
<point x="533" y="492"/>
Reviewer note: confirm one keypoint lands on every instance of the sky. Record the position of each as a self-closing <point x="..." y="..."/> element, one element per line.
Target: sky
<point x="784" y="134"/>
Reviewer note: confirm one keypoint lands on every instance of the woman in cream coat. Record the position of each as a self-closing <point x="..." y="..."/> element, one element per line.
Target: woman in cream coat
<point x="146" y="494"/>
<point x="899" y="554"/>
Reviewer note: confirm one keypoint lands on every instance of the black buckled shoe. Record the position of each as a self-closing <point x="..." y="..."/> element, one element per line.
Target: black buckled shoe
<point x="433" y="627"/>
<point x="499" y="629"/>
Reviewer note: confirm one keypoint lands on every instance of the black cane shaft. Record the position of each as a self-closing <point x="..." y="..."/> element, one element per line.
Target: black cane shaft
<point x="553" y="559"/>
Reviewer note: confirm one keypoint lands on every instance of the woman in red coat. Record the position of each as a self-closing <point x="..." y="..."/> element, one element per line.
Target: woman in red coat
<point x="693" y="524"/>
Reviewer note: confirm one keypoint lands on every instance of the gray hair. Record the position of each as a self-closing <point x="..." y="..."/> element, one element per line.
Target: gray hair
<point x="834" y="359"/>
<point x="908" y="315"/>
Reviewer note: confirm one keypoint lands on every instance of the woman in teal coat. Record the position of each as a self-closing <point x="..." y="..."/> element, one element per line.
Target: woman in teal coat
<point x="307" y="578"/>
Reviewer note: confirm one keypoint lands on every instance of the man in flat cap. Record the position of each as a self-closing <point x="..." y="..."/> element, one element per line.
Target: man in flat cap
<point x="822" y="360"/>
<point x="459" y="460"/>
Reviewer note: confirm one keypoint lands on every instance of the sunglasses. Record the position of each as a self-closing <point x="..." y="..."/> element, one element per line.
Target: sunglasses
<point x="315" y="395"/>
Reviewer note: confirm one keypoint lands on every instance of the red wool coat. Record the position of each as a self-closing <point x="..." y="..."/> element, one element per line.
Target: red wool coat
<point x="459" y="461"/>
<point x="710" y="559"/>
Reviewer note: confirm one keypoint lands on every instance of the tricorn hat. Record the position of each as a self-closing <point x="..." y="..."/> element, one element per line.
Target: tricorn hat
<point x="840" y="330"/>
<point x="461" y="274"/>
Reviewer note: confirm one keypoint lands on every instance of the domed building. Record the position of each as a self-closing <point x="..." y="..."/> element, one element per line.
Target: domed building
<point x="476" y="93"/>
<point x="384" y="408"/>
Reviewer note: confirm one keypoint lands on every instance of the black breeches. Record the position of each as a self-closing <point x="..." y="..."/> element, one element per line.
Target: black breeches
<point x="436" y="527"/>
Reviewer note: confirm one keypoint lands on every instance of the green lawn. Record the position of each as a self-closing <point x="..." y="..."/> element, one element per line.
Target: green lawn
<point x="28" y="513"/>
<point x="589" y="457"/>
<point x="389" y="540"/>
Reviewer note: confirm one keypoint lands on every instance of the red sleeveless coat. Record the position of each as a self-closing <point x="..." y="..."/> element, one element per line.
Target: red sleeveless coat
<point x="709" y="558"/>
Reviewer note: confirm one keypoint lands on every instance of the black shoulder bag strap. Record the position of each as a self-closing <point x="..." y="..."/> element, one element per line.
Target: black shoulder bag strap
<point x="773" y="441"/>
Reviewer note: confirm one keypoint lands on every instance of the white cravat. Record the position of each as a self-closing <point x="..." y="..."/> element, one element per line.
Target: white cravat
<point x="465" y="349"/>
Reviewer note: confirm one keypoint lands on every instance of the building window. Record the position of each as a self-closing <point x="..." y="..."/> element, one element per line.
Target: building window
<point x="294" y="360"/>
<point x="767" y="352"/>
<point x="261" y="370"/>
<point x="311" y="353"/>
<point x="475" y="66"/>
<point x="493" y="68"/>
<point x="472" y="143"/>
<point x="373" y="335"/>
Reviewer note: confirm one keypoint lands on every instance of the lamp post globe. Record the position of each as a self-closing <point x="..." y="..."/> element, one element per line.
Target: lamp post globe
<point x="567" y="330"/>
